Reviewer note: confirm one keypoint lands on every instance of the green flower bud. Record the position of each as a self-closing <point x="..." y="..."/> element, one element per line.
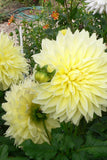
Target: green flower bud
<point x="43" y="75"/>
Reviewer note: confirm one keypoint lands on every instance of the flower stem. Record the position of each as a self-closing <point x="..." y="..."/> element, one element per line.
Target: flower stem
<point x="46" y="131"/>
<point x="105" y="36"/>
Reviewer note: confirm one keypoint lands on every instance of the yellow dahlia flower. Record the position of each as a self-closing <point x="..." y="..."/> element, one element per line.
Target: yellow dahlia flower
<point x="79" y="86"/>
<point x="12" y="62"/>
<point x="24" y="118"/>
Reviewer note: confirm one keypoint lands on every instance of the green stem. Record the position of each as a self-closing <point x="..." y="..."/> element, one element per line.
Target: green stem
<point x="68" y="13"/>
<point x="46" y="131"/>
<point x="105" y="36"/>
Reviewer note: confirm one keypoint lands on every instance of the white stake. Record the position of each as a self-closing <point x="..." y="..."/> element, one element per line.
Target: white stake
<point x="21" y="38"/>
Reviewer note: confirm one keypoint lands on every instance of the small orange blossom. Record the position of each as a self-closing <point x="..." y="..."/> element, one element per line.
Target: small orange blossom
<point x="55" y="15"/>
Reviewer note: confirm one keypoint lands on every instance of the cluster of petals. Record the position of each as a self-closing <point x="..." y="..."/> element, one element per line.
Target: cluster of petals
<point x="55" y="15"/>
<point x="12" y="63"/>
<point x="79" y="86"/>
<point x="18" y="115"/>
<point x="96" y="6"/>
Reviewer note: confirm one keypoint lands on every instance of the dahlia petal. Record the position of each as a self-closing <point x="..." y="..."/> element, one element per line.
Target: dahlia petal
<point x="96" y="6"/>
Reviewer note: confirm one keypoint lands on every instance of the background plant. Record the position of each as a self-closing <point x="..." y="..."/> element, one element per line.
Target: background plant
<point x="72" y="14"/>
<point x="29" y="2"/>
<point x="3" y="12"/>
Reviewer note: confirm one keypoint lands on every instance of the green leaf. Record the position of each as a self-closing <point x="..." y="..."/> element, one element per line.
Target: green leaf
<point x="18" y="158"/>
<point x="12" y="149"/>
<point x="74" y="11"/>
<point x="79" y="156"/>
<point x="9" y="142"/>
<point x="61" y="2"/>
<point x="96" y="147"/>
<point x="78" y="141"/>
<point x="3" y="152"/>
<point x="38" y="151"/>
<point x="61" y="157"/>
<point x="99" y="129"/>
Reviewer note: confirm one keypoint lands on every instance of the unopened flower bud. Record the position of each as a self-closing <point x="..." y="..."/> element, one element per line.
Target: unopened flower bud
<point x="41" y="77"/>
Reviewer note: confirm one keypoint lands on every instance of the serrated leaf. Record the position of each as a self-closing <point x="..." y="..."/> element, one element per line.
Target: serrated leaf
<point x="99" y="128"/>
<point x="97" y="148"/>
<point x="79" y="156"/>
<point x="38" y="151"/>
<point x="68" y="141"/>
<point x="78" y="141"/>
<point x="57" y="140"/>
<point x="3" y="152"/>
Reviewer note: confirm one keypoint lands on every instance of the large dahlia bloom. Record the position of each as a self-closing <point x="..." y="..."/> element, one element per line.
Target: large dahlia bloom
<point x="12" y="62"/>
<point x="25" y="119"/>
<point x="79" y="86"/>
<point x="96" y="6"/>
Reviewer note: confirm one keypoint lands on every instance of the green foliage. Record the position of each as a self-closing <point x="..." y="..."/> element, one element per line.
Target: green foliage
<point x="61" y="1"/>
<point x="3" y="152"/>
<point x="95" y="147"/>
<point x="8" y="151"/>
<point x="18" y="158"/>
<point x="5" y="7"/>
<point x="70" y="142"/>
<point x="4" y="17"/>
<point x="38" y="151"/>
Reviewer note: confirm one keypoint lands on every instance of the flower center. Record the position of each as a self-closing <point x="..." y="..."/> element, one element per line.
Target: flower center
<point x="36" y="114"/>
<point x="74" y="75"/>
<point x="67" y="81"/>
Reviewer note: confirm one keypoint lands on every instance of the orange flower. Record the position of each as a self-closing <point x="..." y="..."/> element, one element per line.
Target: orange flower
<point x="55" y="15"/>
<point x="46" y="26"/>
<point x="45" y="1"/>
<point x="10" y="20"/>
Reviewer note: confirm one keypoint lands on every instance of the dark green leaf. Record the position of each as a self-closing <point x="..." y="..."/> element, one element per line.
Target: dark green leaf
<point x="18" y="158"/>
<point x="79" y="156"/>
<point x="38" y="151"/>
<point x="97" y="148"/>
<point x="60" y="1"/>
<point x="3" y="152"/>
<point x="61" y="157"/>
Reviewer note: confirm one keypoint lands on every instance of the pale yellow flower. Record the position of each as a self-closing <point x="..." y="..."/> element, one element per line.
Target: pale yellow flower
<point x="12" y="62"/>
<point x="79" y="87"/>
<point x="23" y="117"/>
